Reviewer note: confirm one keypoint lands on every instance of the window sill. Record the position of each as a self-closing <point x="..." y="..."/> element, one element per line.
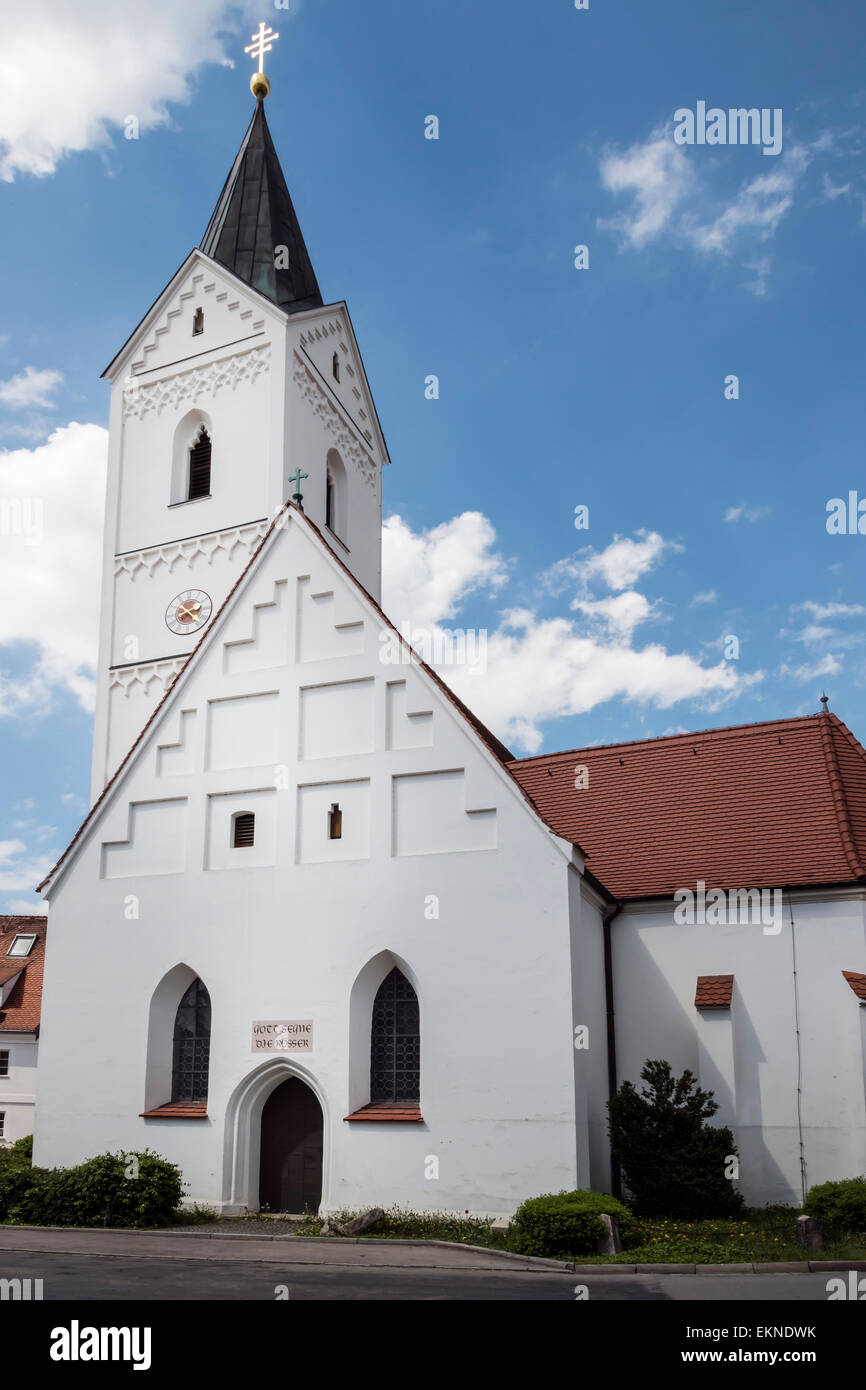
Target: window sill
<point x="403" y="1112"/>
<point x="335" y="537"/>
<point x="177" y="1110"/>
<point x="188" y="501"/>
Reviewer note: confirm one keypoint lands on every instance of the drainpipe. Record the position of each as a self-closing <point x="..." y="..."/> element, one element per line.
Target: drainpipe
<point x="607" y="918"/>
<point x="796" y="985"/>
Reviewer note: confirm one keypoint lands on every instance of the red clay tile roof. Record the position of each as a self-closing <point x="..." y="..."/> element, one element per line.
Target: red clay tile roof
<point x="714" y="991"/>
<point x="176" y="1110"/>
<point x="20" y="1013"/>
<point x="768" y="805"/>
<point x="405" y="1112"/>
<point x="857" y="983"/>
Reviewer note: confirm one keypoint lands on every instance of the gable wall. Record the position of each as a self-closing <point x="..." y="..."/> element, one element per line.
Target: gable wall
<point x="750" y="1057"/>
<point x="285" y="933"/>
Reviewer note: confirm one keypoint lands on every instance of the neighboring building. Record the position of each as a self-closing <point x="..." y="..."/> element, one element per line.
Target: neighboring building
<point x="22" y="958"/>
<point x="321" y="939"/>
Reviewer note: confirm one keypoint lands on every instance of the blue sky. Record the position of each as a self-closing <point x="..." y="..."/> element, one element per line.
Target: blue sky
<point x="558" y="387"/>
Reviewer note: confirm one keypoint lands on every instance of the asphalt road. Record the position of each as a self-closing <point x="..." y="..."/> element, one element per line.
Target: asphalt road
<point x="103" y="1266"/>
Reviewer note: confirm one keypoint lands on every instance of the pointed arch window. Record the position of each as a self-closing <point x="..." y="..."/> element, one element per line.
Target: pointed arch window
<point x="395" y="1042"/>
<point x="335" y="366"/>
<point x="199" y="466"/>
<point x="335" y="495"/>
<point x="191" y="1049"/>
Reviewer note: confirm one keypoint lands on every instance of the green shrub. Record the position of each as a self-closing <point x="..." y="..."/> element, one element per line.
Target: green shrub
<point x="673" y="1161"/>
<point x="19" y="1154"/>
<point x="13" y="1185"/>
<point x="840" y="1205"/>
<point x="566" y="1223"/>
<point x="133" y="1189"/>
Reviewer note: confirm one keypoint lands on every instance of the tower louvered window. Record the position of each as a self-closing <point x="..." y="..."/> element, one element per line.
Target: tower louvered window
<point x="199" y="466"/>
<point x="395" y="1044"/>
<point x="244" y="830"/>
<point x="191" y="1052"/>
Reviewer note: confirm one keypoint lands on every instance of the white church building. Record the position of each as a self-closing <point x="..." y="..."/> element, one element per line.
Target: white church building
<point x="321" y="940"/>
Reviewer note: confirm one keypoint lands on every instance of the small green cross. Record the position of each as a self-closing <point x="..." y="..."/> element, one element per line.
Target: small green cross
<point x="296" y="479"/>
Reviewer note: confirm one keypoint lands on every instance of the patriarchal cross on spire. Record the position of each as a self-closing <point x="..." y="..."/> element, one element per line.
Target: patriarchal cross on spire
<point x="262" y="43"/>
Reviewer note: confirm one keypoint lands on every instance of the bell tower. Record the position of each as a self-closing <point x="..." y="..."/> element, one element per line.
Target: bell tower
<point x="238" y="390"/>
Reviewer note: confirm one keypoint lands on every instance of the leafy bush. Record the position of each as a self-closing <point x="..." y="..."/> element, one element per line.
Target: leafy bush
<point x="566" y="1223"/>
<point x="19" y="1154"/>
<point x="672" y="1160"/>
<point x="134" y="1189"/>
<point x="840" y="1205"/>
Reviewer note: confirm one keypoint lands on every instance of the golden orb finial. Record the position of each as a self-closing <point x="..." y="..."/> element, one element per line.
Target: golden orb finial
<point x="262" y="43"/>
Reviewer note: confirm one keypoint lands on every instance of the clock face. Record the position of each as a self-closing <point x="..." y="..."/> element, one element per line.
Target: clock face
<point x="188" y="612"/>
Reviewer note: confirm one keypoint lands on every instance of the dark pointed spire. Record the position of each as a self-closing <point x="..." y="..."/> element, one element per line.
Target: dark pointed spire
<point x="254" y="231"/>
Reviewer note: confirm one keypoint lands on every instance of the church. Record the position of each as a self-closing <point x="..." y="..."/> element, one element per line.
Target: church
<point x="322" y="940"/>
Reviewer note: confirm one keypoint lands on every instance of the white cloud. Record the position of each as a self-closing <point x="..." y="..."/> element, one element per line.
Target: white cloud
<point x="745" y="513"/>
<point x="832" y="191"/>
<point x="829" y="665"/>
<point x="26" y="907"/>
<point x="30" y="388"/>
<point x="21" y="870"/>
<point x="540" y="669"/>
<point x="51" y="509"/>
<point x="822" y="611"/>
<point x="672" y="197"/>
<point x="619" y="565"/>
<point x="708" y="596"/>
<point x="71" y="73"/>
<point x="426" y="575"/>
<point x="619" y="614"/>
<point x="758" y="206"/>
<point x="659" y="177"/>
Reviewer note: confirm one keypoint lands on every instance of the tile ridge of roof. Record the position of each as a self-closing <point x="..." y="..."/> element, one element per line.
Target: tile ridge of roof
<point x="828" y="724"/>
<point x="731" y="729"/>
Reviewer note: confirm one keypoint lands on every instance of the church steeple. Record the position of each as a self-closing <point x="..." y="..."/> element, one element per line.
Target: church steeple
<point x="254" y="230"/>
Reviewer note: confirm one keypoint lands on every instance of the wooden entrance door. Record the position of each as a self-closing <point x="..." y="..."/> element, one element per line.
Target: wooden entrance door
<point x="290" y="1176"/>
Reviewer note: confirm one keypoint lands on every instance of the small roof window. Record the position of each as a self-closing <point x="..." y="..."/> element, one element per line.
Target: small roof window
<point x="22" y="945"/>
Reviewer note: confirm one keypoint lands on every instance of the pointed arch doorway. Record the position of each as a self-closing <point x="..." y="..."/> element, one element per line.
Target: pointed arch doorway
<point x="290" y="1164"/>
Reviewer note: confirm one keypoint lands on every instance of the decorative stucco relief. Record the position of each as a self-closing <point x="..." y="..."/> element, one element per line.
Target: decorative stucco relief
<point x="242" y="538"/>
<point x="148" y="678"/>
<point x="140" y="399"/>
<point x="331" y="418"/>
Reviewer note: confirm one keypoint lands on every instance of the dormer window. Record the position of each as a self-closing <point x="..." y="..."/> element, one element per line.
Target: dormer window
<point x="22" y="945"/>
<point x="198" y="322"/>
<point x="335" y="823"/>
<point x="335" y="366"/>
<point x="199" y="466"/>
<point x="244" y="830"/>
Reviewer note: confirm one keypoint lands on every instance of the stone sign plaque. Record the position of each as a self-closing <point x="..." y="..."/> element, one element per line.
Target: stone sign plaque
<point x="283" y="1035"/>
